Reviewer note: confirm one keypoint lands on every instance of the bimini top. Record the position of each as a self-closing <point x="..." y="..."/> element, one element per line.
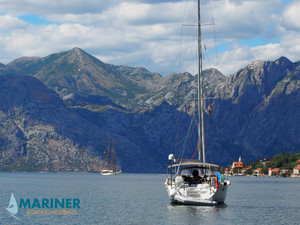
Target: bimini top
<point x="191" y="162"/>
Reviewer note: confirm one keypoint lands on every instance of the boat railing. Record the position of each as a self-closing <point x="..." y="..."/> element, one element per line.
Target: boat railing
<point x="168" y="181"/>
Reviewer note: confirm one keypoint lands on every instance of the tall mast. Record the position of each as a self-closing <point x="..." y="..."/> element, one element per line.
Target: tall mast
<point x="113" y="156"/>
<point x="201" y="143"/>
<point x="108" y="155"/>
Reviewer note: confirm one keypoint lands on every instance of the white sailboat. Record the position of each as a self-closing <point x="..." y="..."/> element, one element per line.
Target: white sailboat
<point x="111" y="168"/>
<point x="196" y="182"/>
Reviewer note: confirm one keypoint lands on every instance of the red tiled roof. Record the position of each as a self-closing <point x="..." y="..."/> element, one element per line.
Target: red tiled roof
<point x="275" y="170"/>
<point x="258" y="169"/>
<point x="298" y="167"/>
<point x="238" y="164"/>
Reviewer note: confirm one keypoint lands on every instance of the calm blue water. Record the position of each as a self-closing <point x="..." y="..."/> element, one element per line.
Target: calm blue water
<point x="142" y="199"/>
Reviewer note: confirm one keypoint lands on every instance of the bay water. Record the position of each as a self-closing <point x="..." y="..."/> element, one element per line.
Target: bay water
<point x="142" y="199"/>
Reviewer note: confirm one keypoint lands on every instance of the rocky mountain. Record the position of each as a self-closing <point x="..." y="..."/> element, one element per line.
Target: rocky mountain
<point x="80" y="78"/>
<point x="257" y="113"/>
<point x="77" y="73"/>
<point x="39" y="133"/>
<point x="64" y="125"/>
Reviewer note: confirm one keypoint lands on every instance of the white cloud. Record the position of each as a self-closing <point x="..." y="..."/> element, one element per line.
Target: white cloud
<point x="85" y="18"/>
<point x="46" y="39"/>
<point x="241" y="56"/>
<point x="290" y="17"/>
<point x="243" y="19"/>
<point x="267" y="52"/>
<point x="143" y="13"/>
<point x="40" y="7"/>
<point x="231" y="61"/>
<point x="147" y="32"/>
<point x="246" y="20"/>
<point x="8" y="22"/>
<point x="291" y="45"/>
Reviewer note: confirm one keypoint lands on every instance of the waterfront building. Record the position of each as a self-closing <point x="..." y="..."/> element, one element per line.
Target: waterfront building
<point x="257" y="171"/>
<point x="273" y="172"/>
<point x="296" y="171"/>
<point x="239" y="165"/>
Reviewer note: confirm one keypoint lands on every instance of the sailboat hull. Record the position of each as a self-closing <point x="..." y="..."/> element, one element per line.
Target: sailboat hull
<point x="199" y="202"/>
<point x="221" y="193"/>
<point x="182" y="197"/>
<point x="108" y="174"/>
<point x="202" y="194"/>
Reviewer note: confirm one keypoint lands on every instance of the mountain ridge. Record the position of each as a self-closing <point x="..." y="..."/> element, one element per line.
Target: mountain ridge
<point x="254" y="113"/>
<point x="77" y="72"/>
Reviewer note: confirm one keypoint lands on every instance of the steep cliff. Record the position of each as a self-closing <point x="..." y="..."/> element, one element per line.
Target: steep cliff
<point x="38" y="132"/>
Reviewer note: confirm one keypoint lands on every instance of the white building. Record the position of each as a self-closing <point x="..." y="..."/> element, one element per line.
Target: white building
<point x="296" y="171"/>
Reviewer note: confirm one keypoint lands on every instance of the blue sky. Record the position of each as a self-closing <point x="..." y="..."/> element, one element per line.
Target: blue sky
<point x="34" y="19"/>
<point x="148" y="32"/>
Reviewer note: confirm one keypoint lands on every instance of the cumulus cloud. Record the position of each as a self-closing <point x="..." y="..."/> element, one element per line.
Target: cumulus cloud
<point x="38" y="7"/>
<point x="8" y="22"/>
<point x="290" y="17"/>
<point x="147" y="32"/>
<point x="272" y="21"/>
<point x="291" y="45"/>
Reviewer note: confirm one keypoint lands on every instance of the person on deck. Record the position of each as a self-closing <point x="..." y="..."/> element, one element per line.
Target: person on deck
<point x="196" y="179"/>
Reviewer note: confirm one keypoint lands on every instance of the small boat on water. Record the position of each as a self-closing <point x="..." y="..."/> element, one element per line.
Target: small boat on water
<point x="195" y="182"/>
<point x="107" y="172"/>
<point x="111" y="166"/>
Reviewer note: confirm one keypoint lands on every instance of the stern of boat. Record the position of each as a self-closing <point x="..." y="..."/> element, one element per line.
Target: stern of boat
<point x="221" y="192"/>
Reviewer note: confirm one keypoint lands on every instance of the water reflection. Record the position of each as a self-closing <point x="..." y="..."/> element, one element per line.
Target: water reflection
<point x="188" y="214"/>
<point x="221" y="206"/>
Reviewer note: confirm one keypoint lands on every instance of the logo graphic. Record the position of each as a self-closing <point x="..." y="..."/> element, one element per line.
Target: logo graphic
<point x="45" y="206"/>
<point x="13" y="206"/>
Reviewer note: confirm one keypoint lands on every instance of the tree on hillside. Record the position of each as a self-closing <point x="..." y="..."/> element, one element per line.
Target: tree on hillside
<point x="282" y="160"/>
